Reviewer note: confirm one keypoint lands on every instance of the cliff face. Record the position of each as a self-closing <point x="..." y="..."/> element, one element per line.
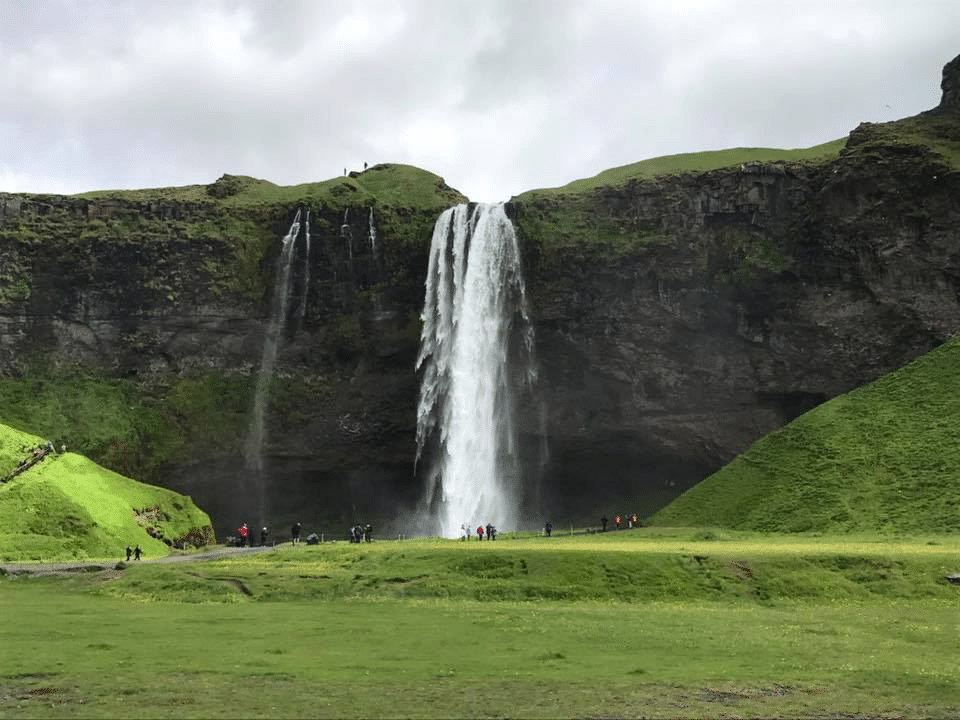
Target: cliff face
<point x="132" y="326"/>
<point x="678" y="318"/>
<point x="710" y="309"/>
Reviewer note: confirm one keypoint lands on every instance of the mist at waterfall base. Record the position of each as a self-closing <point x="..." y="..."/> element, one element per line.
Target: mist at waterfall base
<point x="477" y="364"/>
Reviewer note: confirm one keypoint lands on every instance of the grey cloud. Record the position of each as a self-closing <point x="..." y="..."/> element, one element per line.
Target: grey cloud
<point x="497" y="96"/>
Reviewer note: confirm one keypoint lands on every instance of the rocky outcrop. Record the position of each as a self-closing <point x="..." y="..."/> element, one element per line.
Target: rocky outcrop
<point x="950" y="85"/>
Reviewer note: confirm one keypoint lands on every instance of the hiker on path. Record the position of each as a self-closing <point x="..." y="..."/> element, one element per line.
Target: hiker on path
<point x="242" y="531"/>
<point x="604" y="521"/>
<point x="548" y="528"/>
<point x="137" y="552"/>
<point x="616" y="521"/>
<point x="480" y="532"/>
<point x="295" y="533"/>
<point x="129" y="553"/>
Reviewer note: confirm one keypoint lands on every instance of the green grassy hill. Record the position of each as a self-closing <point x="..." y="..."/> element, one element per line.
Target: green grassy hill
<point x="884" y="457"/>
<point x="65" y="506"/>
<point x="386" y="183"/>
<point x="689" y="162"/>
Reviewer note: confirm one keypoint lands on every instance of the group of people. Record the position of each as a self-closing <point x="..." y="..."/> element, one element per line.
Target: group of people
<point x="244" y="535"/>
<point x="360" y="533"/>
<point x="618" y="520"/>
<point x="490" y="530"/>
<point x="135" y="552"/>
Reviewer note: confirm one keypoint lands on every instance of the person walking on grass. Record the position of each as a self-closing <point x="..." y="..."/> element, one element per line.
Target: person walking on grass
<point x="129" y="553"/>
<point x="137" y="552"/>
<point x="295" y="533"/>
<point x="480" y="532"/>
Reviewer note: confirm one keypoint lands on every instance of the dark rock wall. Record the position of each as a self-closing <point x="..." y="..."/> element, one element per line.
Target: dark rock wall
<point x="749" y="296"/>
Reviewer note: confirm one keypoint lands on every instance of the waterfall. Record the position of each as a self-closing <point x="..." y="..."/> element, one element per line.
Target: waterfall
<point x="306" y="267"/>
<point x="373" y="235"/>
<point x="347" y="233"/>
<point x="476" y="336"/>
<point x="256" y="433"/>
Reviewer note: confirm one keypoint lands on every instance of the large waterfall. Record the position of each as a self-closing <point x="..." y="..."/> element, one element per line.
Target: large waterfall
<point x="279" y="307"/>
<point x="476" y="354"/>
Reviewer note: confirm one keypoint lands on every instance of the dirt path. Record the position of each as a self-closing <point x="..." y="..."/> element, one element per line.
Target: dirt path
<point x="40" y="568"/>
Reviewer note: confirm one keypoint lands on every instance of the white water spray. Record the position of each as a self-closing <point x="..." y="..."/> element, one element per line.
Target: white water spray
<point x="256" y="434"/>
<point x="476" y="328"/>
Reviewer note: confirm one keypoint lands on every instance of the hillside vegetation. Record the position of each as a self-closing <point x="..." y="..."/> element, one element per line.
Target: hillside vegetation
<point x="65" y="506"/>
<point x="883" y="457"/>
<point x="387" y="183"/>
<point x="689" y="162"/>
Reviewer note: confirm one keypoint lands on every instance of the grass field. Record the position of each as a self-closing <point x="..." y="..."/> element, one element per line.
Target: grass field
<point x="641" y="623"/>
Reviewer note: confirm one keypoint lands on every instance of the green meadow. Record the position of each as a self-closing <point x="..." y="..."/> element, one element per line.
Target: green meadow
<point x="651" y="622"/>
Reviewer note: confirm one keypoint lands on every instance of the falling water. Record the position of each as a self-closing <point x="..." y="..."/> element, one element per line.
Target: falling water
<point x="347" y="233"/>
<point x="306" y="268"/>
<point x="253" y="448"/>
<point x="476" y="324"/>
<point x="373" y="234"/>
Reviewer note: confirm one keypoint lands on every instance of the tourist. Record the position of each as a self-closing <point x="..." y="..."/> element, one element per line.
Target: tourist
<point x="129" y="553"/>
<point x="480" y="532"/>
<point x="616" y="521"/>
<point x="137" y="552"/>
<point x="242" y="531"/>
<point x="548" y="528"/>
<point x="466" y="531"/>
<point x="604" y="521"/>
<point x="295" y="533"/>
<point x="489" y="531"/>
<point x="263" y="535"/>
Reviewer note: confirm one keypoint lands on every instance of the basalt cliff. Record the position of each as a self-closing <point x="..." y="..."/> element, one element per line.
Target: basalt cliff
<point x="679" y="316"/>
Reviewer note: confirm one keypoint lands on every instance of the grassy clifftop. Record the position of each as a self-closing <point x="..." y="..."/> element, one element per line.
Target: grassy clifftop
<point x="386" y="183"/>
<point x="66" y="506"/>
<point x="883" y="457"/>
<point x="687" y="162"/>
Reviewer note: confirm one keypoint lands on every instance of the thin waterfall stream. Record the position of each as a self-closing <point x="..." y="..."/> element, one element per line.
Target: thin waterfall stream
<point x="273" y="334"/>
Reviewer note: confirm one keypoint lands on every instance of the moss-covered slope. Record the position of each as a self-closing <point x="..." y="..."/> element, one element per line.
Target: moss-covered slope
<point x="62" y="505"/>
<point x="884" y="457"/>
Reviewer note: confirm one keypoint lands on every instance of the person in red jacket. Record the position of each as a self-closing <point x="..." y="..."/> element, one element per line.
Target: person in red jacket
<point x="243" y="530"/>
<point x="480" y="532"/>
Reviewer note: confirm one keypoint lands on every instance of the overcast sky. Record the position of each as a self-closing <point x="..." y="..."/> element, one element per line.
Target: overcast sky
<point x="497" y="96"/>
